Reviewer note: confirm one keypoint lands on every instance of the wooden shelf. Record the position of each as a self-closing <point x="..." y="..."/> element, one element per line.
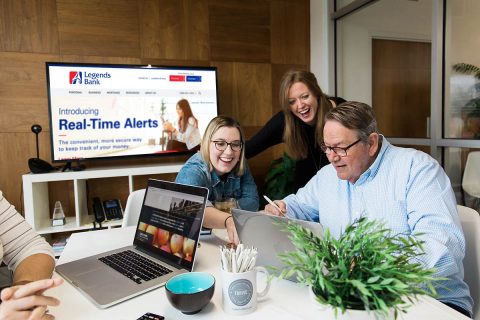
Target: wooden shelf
<point x="36" y="198"/>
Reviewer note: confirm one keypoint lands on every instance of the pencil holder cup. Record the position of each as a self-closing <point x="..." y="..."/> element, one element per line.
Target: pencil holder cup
<point x="239" y="290"/>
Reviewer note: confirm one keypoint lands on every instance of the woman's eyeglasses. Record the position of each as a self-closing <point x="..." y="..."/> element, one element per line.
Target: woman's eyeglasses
<point x="342" y="152"/>
<point x="221" y="145"/>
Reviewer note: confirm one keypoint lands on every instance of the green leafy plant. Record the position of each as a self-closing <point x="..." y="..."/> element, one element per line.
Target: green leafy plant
<point x="279" y="178"/>
<point x="367" y="268"/>
<point x="472" y="107"/>
<point x="466" y="68"/>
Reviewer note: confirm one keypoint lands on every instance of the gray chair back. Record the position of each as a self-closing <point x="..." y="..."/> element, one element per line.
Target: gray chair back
<point x="133" y="207"/>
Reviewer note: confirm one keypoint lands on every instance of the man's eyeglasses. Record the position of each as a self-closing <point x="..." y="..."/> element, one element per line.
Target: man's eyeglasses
<point x="342" y="152"/>
<point x="221" y="145"/>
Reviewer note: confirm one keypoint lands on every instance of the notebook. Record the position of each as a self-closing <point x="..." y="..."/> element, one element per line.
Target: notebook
<point x="266" y="233"/>
<point x="164" y="245"/>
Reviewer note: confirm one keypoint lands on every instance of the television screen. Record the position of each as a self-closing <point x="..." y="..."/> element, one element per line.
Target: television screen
<point x="110" y="111"/>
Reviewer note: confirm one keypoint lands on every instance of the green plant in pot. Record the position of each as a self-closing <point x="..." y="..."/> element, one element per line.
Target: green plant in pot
<point x="366" y="268"/>
<point x="279" y="178"/>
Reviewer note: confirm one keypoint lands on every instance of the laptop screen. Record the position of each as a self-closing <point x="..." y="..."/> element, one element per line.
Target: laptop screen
<point x="170" y="221"/>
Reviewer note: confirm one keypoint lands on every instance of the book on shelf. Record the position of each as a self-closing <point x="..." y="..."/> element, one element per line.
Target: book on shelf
<point x="59" y="245"/>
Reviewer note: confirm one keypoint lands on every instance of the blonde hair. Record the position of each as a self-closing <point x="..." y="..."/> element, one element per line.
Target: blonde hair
<point x="294" y="135"/>
<point x="215" y="124"/>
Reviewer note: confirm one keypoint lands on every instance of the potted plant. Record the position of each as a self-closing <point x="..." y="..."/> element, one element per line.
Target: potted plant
<point x="366" y="268"/>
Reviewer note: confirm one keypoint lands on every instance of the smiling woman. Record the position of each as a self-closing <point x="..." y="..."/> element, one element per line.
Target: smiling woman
<point x="298" y="125"/>
<point x="221" y="167"/>
<point x="225" y="155"/>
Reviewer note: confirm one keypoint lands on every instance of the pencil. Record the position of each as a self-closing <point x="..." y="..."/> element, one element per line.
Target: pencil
<point x="273" y="204"/>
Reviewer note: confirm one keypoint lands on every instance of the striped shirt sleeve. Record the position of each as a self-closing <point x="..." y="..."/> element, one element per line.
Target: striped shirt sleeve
<point x="17" y="239"/>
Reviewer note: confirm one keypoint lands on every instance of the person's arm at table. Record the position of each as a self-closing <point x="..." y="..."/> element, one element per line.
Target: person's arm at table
<point x="30" y="257"/>
<point x="25" y="252"/>
<point x="35" y="267"/>
<point x="216" y="219"/>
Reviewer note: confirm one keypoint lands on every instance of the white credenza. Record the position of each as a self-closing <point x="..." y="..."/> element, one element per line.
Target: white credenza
<point x="36" y="199"/>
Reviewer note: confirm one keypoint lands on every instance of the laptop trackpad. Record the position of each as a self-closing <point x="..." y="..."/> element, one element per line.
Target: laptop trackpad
<point x="98" y="275"/>
<point x="94" y="279"/>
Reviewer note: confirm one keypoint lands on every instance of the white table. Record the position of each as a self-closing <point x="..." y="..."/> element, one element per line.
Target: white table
<point x="286" y="300"/>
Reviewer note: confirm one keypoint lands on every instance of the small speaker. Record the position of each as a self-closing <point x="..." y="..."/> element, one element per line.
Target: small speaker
<point x="37" y="165"/>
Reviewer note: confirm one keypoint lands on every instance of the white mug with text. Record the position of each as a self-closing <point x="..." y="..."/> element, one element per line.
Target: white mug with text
<point x="239" y="290"/>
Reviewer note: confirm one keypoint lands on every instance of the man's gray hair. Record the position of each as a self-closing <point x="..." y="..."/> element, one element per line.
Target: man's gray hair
<point x="356" y="116"/>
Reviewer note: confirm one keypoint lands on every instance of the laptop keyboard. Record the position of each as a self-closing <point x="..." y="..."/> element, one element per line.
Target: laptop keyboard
<point x="134" y="266"/>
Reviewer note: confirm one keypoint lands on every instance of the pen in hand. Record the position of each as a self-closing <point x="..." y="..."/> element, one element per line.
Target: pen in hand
<point x="274" y="204"/>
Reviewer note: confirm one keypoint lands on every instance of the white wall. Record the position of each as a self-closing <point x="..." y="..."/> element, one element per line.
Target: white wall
<point x="465" y="31"/>
<point x="321" y="54"/>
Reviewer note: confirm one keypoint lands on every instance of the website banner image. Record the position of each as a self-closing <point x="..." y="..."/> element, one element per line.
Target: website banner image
<point x="107" y="112"/>
<point x="171" y="221"/>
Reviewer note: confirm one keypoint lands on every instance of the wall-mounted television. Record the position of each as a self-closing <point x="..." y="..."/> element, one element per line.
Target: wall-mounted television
<point x="100" y="111"/>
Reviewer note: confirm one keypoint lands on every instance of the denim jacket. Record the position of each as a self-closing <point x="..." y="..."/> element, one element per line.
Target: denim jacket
<point x="243" y="188"/>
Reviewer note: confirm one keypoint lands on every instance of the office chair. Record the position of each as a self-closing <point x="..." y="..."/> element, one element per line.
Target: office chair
<point x="133" y="207"/>
<point x="471" y="180"/>
<point x="470" y="220"/>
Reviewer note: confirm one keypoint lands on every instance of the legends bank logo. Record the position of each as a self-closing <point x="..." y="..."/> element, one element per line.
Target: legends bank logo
<point x="87" y="78"/>
<point x="75" y="77"/>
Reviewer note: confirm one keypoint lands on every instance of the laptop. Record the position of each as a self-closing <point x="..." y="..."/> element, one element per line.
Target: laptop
<point x="164" y="245"/>
<point x="266" y="233"/>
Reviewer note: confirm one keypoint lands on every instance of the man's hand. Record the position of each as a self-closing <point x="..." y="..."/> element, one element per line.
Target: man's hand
<point x="270" y="209"/>
<point x="27" y="301"/>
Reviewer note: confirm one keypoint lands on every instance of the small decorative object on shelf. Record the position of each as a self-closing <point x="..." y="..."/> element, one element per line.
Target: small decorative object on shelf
<point x="58" y="215"/>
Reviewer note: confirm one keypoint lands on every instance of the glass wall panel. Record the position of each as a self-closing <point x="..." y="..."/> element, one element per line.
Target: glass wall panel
<point x="384" y="59"/>
<point x="343" y="3"/>
<point x="462" y="70"/>
<point x="466" y="186"/>
<point x="425" y="149"/>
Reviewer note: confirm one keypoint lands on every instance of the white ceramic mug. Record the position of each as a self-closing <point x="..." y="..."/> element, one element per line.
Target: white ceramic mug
<point x="239" y="290"/>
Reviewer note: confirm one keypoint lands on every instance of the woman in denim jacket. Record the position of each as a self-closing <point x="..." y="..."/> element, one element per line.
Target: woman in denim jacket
<point x="221" y="167"/>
